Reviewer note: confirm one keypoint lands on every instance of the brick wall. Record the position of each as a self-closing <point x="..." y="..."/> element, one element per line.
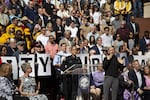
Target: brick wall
<point x="144" y="24"/>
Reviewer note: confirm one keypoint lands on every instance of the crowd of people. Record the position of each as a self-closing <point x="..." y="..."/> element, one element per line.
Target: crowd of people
<point x="64" y="28"/>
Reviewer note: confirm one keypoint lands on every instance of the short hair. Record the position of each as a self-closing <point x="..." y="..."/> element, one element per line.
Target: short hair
<point x="67" y="31"/>
<point x="134" y="61"/>
<point x="49" y="24"/>
<point x="123" y="22"/>
<point x="63" y="44"/>
<point x="25" y="66"/>
<point x="5" y="69"/>
<point x="98" y="38"/>
<point x="110" y="47"/>
<point x="51" y="36"/>
<point x="73" y="47"/>
<point x="146" y="32"/>
<point x="14" y="18"/>
<point x="106" y="28"/>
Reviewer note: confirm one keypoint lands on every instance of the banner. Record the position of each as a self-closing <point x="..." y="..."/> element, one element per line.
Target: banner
<point x="84" y="58"/>
<point x="142" y="59"/>
<point x="13" y="61"/>
<point x="94" y="60"/>
<point x="29" y="58"/>
<point x="44" y="65"/>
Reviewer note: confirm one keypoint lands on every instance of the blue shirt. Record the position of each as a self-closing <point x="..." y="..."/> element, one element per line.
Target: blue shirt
<point x="58" y="58"/>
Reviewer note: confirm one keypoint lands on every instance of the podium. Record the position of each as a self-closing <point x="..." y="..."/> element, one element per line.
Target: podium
<point x="77" y="81"/>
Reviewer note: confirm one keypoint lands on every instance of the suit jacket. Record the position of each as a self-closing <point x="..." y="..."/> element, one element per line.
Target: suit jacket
<point x="132" y="76"/>
<point x="96" y="49"/>
<point x="54" y="18"/>
<point x="68" y="21"/>
<point x="37" y="17"/>
<point x="137" y="29"/>
<point x="58" y="35"/>
<point x="143" y="45"/>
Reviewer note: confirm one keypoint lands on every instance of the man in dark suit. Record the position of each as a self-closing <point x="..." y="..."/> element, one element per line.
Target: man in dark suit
<point x="144" y="41"/>
<point x="59" y="30"/>
<point x="98" y="46"/>
<point x="137" y="76"/>
<point x="134" y="28"/>
<point x="73" y="18"/>
<point x="54" y="17"/>
<point x="42" y="17"/>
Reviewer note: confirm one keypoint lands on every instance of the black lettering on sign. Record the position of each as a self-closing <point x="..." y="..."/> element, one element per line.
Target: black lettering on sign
<point x="85" y="60"/>
<point x="9" y="61"/>
<point x="44" y="63"/>
<point x="26" y="59"/>
<point x="95" y="59"/>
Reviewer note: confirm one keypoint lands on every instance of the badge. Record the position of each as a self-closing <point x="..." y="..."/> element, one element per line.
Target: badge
<point x="84" y="82"/>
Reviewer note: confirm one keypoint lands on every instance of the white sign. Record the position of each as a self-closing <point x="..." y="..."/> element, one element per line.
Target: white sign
<point x="13" y="61"/>
<point x="141" y="58"/>
<point x="30" y="58"/>
<point x="84" y="58"/>
<point x="96" y="59"/>
<point x="124" y="56"/>
<point x="44" y="65"/>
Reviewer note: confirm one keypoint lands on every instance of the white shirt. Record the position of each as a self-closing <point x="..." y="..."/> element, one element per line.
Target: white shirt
<point x="96" y="35"/>
<point x="96" y="17"/>
<point x="73" y="31"/>
<point x="147" y="40"/>
<point x="134" y="29"/>
<point x="26" y="1"/>
<point x="107" y="40"/>
<point x="44" y="39"/>
<point x="42" y="20"/>
<point x="101" y="2"/>
<point x="56" y="3"/>
<point x="100" y="49"/>
<point x="59" y="57"/>
<point x="63" y="13"/>
<point x="139" y="77"/>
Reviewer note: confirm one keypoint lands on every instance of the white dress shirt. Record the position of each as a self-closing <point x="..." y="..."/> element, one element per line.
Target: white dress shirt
<point x="44" y="39"/>
<point x="107" y="40"/>
<point x="139" y="77"/>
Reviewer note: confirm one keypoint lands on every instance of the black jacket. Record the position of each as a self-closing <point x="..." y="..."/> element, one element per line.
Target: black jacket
<point x="69" y="61"/>
<point x="132" y="76"/>
<point x="112" y="66"/>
